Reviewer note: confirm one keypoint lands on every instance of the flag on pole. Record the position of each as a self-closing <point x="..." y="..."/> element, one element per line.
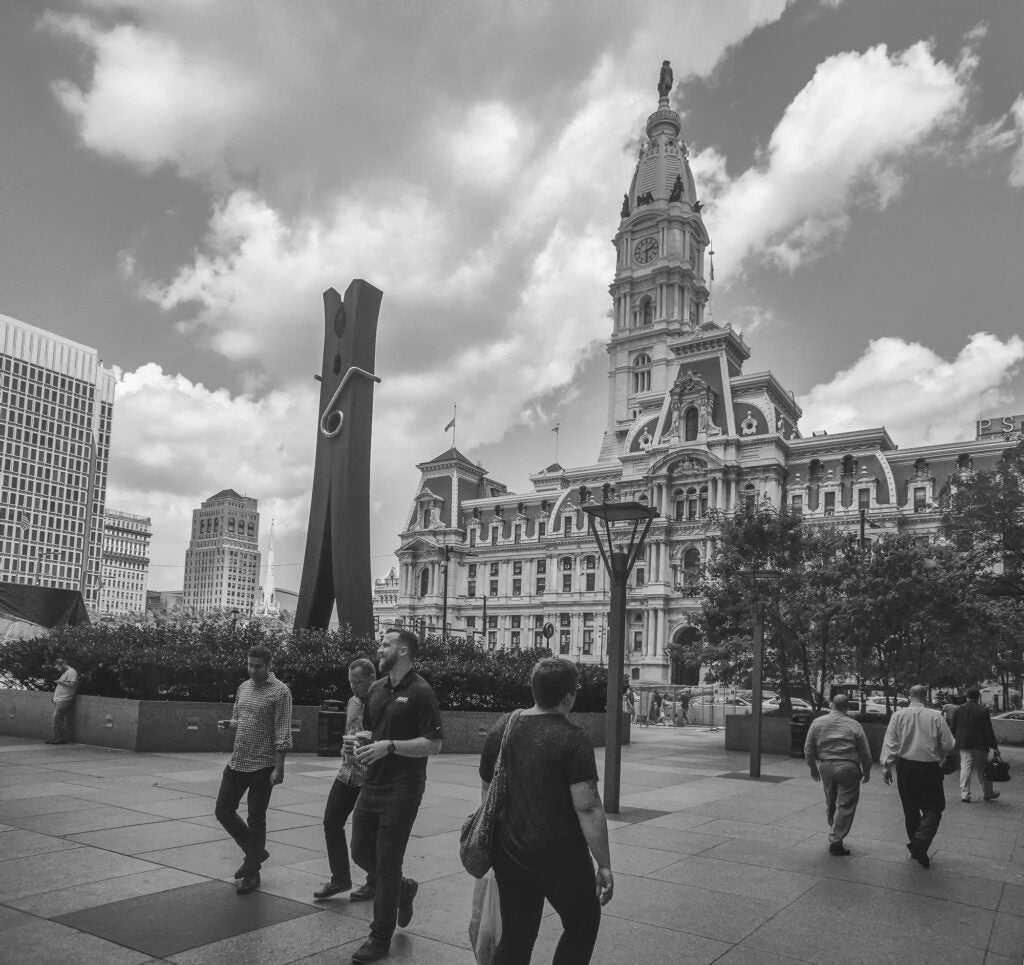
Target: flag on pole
<point x="451" y="425"/>
<point x="711" y="259"/>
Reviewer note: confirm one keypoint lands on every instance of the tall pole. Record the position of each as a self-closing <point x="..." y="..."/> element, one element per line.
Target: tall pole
<point x="483" y="632"/>
<point x="755" y="686"/>
<point x="618" y="573"/>
<point x="444" y="591"/>
<point x="863" y="520"/>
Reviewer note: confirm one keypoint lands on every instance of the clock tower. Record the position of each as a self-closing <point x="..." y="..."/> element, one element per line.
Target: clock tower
<point x="659" y="292"/>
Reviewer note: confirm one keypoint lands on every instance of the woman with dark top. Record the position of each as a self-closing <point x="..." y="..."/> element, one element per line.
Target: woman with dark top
<point x="551" y="823"/>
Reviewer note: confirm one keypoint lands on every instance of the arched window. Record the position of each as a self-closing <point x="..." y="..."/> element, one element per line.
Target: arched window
<point x="647" y="312"/>
<point x="424" y="581"/>
<point x="679" y="496"/>
<point x="690" y="424"/>
<point x="426" y="517"/>
<point x="642" y="373"/>
<point x="691" y="565"/>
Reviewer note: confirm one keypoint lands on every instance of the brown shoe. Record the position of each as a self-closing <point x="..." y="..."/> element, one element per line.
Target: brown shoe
<point x="363" y="893"/>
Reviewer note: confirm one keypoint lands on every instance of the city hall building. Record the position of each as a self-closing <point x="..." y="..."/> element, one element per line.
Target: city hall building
<point x="690" y="431"/>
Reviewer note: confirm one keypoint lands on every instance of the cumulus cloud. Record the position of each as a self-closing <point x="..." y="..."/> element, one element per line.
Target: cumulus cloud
<point x="919" y="396"/>
<point x="839" y="143"/>
<point x="151" y="102"/>
<point x="175" y="443"/>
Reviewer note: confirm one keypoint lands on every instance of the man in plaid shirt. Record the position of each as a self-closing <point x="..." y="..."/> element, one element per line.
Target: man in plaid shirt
<point x="262" y="722"/>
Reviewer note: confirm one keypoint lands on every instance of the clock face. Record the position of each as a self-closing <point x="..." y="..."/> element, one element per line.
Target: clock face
<point x="645" y="251"/>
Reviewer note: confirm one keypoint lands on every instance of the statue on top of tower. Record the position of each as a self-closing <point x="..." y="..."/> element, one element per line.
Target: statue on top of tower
<point x="665" y="79"/>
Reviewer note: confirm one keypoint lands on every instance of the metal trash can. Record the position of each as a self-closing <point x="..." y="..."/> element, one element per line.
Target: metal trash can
<point x="330" y="728"/>
<point x="798" y="734"/>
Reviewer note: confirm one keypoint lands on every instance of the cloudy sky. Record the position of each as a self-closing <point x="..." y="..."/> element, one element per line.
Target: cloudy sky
<point x="181" y="181"/>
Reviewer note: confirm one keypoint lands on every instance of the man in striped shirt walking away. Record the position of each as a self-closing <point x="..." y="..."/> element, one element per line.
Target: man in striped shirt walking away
<point x="262" y="722"/>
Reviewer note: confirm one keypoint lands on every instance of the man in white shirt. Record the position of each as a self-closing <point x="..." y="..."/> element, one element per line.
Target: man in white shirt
<point x="916" y="740"/>
<point x="63" y="699"/>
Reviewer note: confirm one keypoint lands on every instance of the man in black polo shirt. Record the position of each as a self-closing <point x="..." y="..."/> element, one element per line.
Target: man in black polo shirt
<point x="402" y="713"/>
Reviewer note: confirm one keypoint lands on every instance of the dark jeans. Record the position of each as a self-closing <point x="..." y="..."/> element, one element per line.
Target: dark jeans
<point x="570" y="889"/>
<point x="381" y="825"/>
<point x="920" y="787"/>
<point x="251" y="837"/>
<point x="340" y="803"/>
<point x="61" y="709"/>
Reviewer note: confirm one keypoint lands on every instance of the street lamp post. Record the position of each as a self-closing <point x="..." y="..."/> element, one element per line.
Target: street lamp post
<point x="619" y="563"/>
<point x="444" y="598"/>
<point x="758" y="580"/>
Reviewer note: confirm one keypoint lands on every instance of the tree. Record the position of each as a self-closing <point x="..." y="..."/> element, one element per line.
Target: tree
<point x="986" y="521"/>
<point x="798" y="604"/>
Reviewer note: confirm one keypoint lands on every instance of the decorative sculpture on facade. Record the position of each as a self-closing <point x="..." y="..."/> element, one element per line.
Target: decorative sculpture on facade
<point x="665" y="79"/>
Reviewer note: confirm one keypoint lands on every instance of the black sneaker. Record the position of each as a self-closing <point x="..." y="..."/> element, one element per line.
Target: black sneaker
<point x="371" y="951"/>
<point x="249" y="883"/>
<point x="409" y="889"/>
<point x="836" y="848"/>
<point x="363" y="893"/>
<point x="240" y="873"/>
<point x="330" y="888"/>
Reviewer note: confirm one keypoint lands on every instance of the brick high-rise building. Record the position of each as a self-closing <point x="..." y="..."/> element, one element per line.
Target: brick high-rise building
<point x="222" y="561"/>
<point x="56" y="405"/>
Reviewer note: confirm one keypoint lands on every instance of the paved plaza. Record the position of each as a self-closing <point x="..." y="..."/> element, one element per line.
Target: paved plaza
<point x="114" y="858"/>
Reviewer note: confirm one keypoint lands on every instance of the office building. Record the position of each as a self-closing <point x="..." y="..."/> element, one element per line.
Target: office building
<point x="222" y="561"/>
<point x="56" y="406"/>
<point x="126" y="539"/>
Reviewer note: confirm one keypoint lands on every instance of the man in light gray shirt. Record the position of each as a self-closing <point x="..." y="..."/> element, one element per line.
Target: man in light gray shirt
<point x="916" y="740"/>
<point x="837" y="752"/>
<point x="63" y="699"/>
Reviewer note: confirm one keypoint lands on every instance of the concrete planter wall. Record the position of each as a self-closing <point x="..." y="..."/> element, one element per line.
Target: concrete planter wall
<point x="775" y="735"/>
<point x="165" y="726"/>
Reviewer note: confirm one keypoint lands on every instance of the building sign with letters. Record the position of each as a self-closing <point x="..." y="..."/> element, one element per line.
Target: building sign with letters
<point x="1008" y="427"/>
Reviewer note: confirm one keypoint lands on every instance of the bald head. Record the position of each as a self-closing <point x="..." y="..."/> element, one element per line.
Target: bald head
<point x="841" y="703"/>
<point x="918" y="693"/>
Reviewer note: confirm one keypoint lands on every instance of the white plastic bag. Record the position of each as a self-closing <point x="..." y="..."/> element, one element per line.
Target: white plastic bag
<point x="485" y="921"/>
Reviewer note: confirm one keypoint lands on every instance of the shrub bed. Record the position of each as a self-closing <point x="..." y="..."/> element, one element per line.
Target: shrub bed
<point x="204" y="660"/>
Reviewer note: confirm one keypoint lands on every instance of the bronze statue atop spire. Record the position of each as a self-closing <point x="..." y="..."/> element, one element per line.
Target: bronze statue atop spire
<point x="665" y="80"/>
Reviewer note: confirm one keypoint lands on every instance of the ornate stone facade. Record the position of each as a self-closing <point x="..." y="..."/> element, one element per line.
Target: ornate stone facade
<point x="688" y="432"/>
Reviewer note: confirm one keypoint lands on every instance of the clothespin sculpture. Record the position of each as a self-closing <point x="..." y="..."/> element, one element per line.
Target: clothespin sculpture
<point x="336" y="568"/>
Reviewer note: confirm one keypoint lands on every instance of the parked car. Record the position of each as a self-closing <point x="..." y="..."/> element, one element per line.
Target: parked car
<point x="798" y="703"/>
<point x="1010" y="715"/>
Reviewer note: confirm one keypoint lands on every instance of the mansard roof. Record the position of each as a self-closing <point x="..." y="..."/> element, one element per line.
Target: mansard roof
<point x="453" y="455"/>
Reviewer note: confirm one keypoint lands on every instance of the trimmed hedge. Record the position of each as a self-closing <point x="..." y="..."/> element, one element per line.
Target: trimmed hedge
<point x="204" y="660"/>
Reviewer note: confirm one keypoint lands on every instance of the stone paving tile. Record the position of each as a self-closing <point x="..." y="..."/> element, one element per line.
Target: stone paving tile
<point x="1007" y="936"/>
<point x="405" y="950"/>
<point x="276" y="944"/>
<point x="38" y="873"/>
<point x="11" y="811"/>
<point x="1012" y="900"/>
<point x="667" y="839"/>
<point x="310" y="837"/>
<point x="122" y="797"/>
<point x="277" y="819"/>
<point x="90" y="819"/>
<point x="746" y="829"/>
<point x="149" y="837"/>
<point x="11" y="918"/>
<point x="694" y="910"/>
<point x="752" y="883"/>
<point x="180" y="808"/>
<point x="442" y="910"/>
<point x="64" y="901"/>
<point x="744" y="955"/>
<point x="635" y="860"/>
<point x="49" y="943"/>
<point x="620" y="941"/>
<point x="17" y="843"/>
<point x="434" y="822"/>
<point x="993" y="959"/>
<point x="44" y="789"/>
<point x="220" y="857"/>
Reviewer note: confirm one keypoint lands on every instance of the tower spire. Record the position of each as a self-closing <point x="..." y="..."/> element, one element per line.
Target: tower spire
<point x="268" y="606"/>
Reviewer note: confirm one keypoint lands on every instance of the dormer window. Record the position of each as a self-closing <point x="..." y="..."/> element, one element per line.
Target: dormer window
<point x="642" y="373"/>
<point x="647" y="312"/>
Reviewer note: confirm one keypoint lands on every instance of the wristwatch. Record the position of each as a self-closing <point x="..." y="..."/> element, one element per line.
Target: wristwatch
<point x="391" y="747"/>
